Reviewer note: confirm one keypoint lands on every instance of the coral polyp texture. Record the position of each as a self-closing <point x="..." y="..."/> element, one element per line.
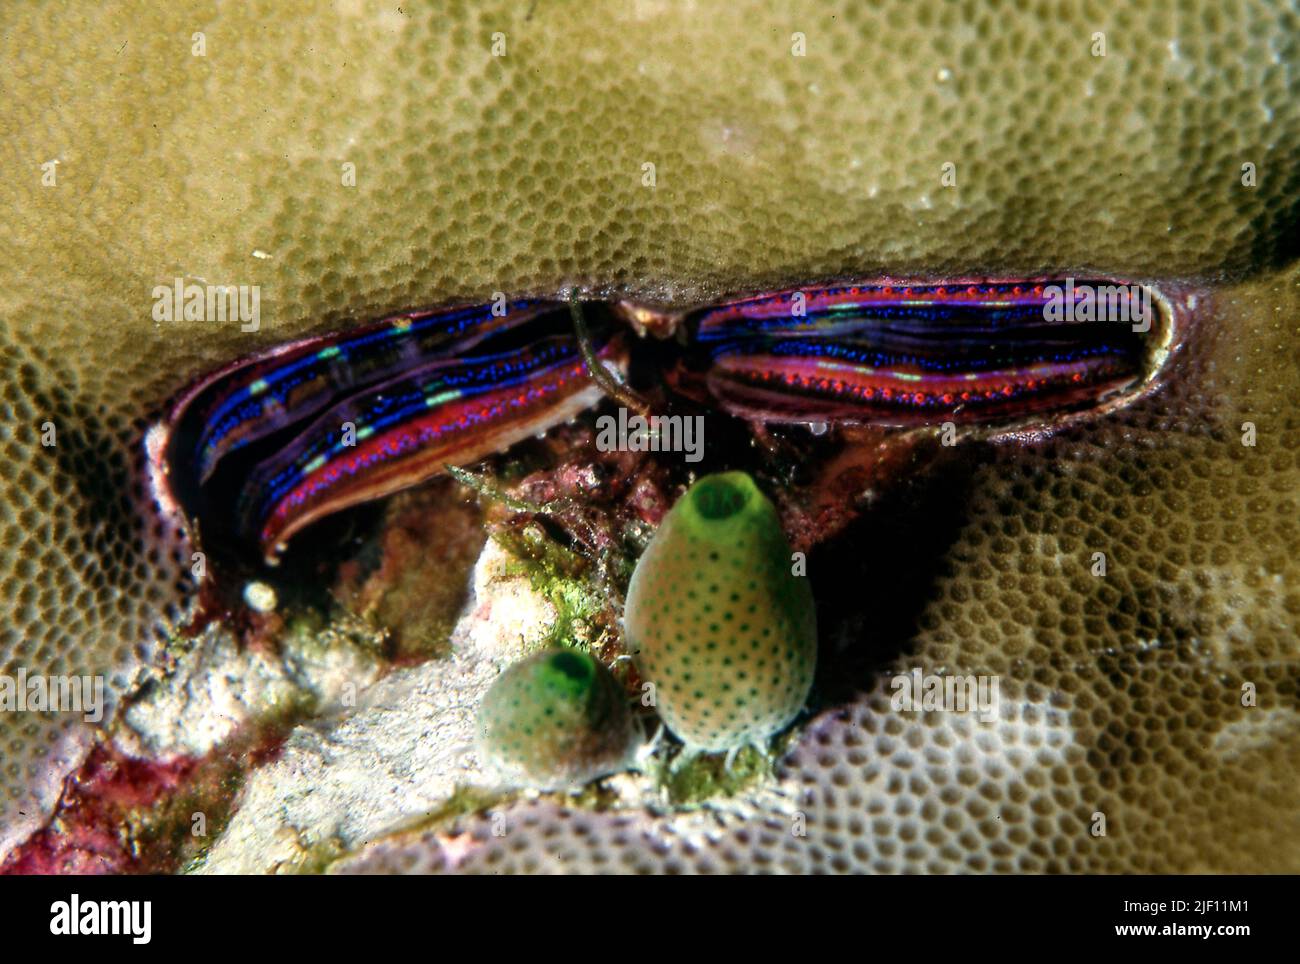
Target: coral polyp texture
<point x="354" y="160"/>
<point x="556" y="720"/>
<point x="717" y="620"/>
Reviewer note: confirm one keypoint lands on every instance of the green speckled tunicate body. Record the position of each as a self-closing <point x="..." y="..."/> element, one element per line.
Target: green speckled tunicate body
<point x="717" y="620"/>
<point x="554" y="720"/>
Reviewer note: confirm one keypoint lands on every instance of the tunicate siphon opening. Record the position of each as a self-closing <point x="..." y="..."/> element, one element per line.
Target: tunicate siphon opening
<point x="571" y="670"/>
<point x="718" y="497"/>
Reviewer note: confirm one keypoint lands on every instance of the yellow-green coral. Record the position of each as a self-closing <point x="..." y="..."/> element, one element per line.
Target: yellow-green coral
<point x="477" y="173"/>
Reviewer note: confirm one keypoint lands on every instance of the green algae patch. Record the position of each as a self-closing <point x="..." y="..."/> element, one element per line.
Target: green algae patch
<point x="708" y="777"/>
<point x="563" y="577"/>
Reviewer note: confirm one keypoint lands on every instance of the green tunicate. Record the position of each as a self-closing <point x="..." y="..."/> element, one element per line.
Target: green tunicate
<point x="555" y="720"/>
<point x="717" y="620"/>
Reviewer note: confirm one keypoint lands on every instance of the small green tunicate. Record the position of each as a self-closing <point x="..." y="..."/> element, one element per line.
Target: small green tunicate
<point x="556" y="720"/>
<point x="717" y="620"/>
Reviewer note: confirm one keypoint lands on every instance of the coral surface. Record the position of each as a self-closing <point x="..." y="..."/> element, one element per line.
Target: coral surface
<point x="351" y="159"/>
